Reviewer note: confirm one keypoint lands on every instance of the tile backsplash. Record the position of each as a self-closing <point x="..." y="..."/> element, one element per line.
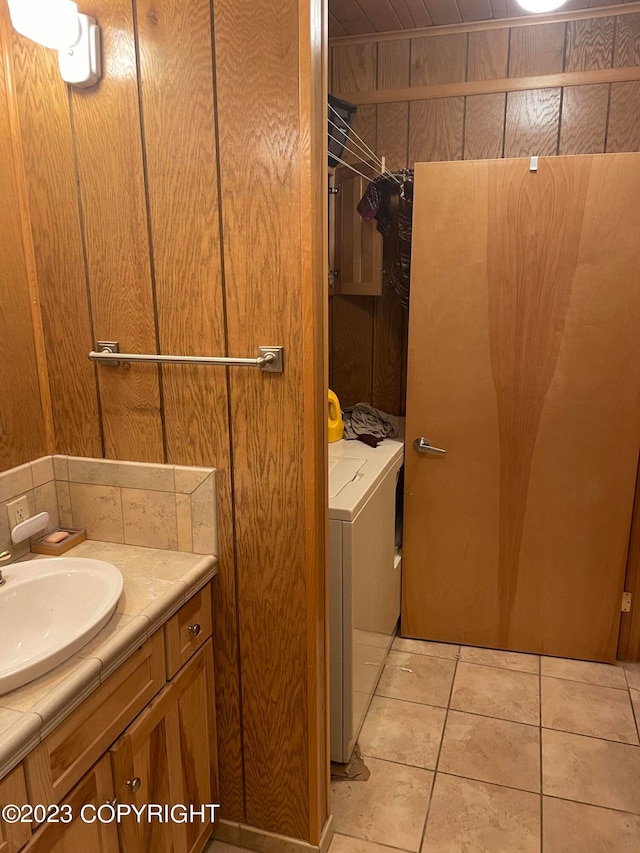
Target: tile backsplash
<point x="35" y="480"/>
<point x="154" y="506"/>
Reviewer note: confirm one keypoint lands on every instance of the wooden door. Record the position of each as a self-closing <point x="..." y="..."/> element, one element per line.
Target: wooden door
<point x="524" y="365"/>
<point x="95" y="788"/>
<point x="170" y="752"/>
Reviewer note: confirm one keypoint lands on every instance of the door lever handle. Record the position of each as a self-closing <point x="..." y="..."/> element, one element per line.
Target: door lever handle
<point x="421" y="445"/>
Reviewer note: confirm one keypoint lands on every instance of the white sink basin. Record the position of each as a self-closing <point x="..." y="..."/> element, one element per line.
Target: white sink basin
<point x="49" y="609"/>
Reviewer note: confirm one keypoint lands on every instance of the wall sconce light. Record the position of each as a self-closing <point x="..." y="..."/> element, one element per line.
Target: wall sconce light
<point x="59" y="25"/>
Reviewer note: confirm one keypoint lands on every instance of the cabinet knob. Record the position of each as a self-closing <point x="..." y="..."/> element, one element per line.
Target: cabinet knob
<point x="134" y="784"/>
<point x="194" y="630"/>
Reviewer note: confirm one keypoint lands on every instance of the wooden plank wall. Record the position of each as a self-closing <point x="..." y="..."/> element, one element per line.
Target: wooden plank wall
<point x="172" y="215"/>
<point x="24" y="418"/>
<point x="368" y="334"/>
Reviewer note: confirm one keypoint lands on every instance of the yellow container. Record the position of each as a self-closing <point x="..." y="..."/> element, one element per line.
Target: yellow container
<point x="336" y="426"/>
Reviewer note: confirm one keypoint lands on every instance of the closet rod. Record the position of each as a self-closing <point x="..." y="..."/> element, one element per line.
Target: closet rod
<point x="269" y="360"/>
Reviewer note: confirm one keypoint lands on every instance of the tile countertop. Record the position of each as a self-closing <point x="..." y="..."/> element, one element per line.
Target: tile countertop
<point x="156" y="585"/>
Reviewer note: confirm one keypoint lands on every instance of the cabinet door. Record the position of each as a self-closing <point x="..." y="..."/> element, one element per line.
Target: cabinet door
<point x="168" y="756"/>
<point x="95" y="788"/>
<point x="358" y="244"/>
<point x="13" y="790"/>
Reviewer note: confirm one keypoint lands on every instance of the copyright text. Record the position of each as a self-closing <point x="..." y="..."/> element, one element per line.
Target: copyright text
<point x="111" y="812"/>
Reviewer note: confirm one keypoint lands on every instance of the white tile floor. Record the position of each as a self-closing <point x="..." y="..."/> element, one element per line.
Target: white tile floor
<point x="517" y="754"/>
<point x="479" y="751"/>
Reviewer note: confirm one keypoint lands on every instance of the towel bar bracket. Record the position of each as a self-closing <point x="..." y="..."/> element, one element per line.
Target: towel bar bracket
<point x="273" y="359"/>
<point x="269" y="360"/>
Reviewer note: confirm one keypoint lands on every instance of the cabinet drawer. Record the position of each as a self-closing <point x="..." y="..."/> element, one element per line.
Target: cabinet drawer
<point x="188" y="630"/>
<point x="65" y="755"/>
<point x="13" y="790"/>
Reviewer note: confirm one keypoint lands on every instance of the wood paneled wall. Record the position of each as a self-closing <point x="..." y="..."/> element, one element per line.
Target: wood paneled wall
<point x="177" y="207"/>
<point x="24" y="424"/>
<point x="368" y="334"/>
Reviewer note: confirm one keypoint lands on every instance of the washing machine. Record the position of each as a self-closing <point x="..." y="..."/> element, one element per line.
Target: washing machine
<point x="365" y="574"/>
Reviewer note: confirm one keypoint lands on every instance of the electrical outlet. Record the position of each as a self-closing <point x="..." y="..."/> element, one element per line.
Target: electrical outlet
<point x="18" y="511"/>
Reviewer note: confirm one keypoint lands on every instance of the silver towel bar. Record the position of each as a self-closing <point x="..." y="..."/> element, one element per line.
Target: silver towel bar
<point x="269" y="360"/>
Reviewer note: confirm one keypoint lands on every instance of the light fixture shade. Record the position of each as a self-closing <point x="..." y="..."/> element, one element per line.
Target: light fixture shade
<point x="541" y="5"/>
<point x="51" y="23"/>
<point x="80" y="61"/>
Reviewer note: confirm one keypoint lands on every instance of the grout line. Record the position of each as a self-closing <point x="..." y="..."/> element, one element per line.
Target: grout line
<point x="540" y="758"/>
<point x="487" y="782"/>
<point x="593" y="805"/>
<point x="395" y="761"/>
<point x="408" y="701"/>
<point x="367" y="841"/>
<point x="121" y="503"/>
<point x="450" y="773"/>
<point x="499" y="668"/>
<point x="591" y="737"/>
<point x="435" y="774"/>
<point x="636" y="716"/>
<point x="577" y="681"/>
<point x="422" y="654"/>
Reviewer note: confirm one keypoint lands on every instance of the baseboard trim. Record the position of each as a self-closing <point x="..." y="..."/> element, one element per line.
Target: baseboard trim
<point x="269" y="842"/>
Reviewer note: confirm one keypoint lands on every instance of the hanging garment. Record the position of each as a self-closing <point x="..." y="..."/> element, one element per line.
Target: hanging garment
<point x="389" y="200"/>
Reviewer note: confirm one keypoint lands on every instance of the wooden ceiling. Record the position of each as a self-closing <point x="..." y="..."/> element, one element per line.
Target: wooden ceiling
<point x="357" y="17"/>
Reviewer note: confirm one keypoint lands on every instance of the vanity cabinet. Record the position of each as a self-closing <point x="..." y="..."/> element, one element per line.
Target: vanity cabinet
<point x="95" y="788"/>
<point x="168" y="756"/>
<point x="145" y="735"/>
<point x="62" y="758"/>
<point x="13" y="789"/>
